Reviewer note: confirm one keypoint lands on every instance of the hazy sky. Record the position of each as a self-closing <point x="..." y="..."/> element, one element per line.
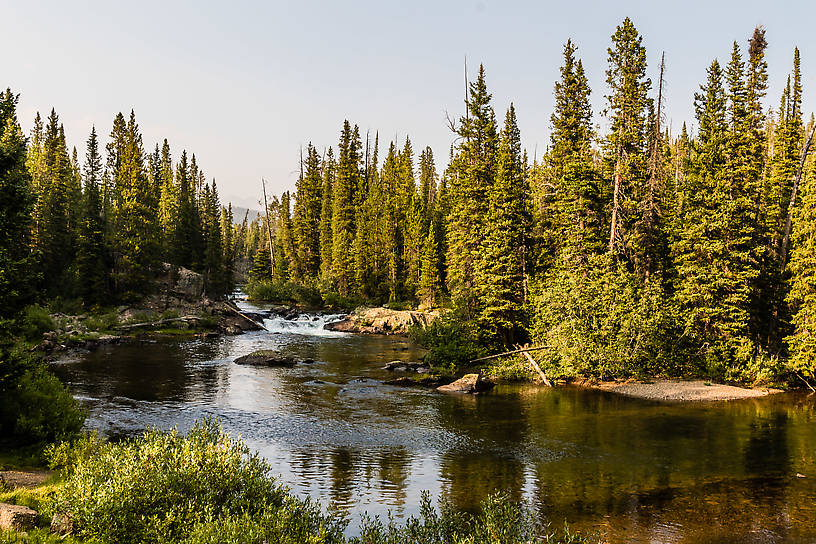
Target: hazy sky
<point x="245" y="84"/>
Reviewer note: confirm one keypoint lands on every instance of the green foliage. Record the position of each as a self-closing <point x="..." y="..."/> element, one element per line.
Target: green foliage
<point x="37" y="536"/>
<point x="511" y="369"/>
<point x="284" y="292"/>
<point x="102" y="322"/>
<point x="36" y="406"/>
<point x="451" y="342"/>
<point x="166" y="487"/>
<point x="601" y="320"/>
<point x="499" y="521"/>
<point x="35" y="321"/>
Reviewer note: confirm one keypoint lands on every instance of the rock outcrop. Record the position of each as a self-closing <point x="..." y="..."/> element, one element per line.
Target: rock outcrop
<point x="16" y="517"/>
<point x="468" y="384"/>
<point x="382" y="321"/>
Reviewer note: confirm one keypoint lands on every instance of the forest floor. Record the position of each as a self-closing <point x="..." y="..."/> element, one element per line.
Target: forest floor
<point x="684" y="391"/>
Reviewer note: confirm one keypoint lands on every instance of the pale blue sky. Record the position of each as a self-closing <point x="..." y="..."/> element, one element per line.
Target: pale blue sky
<point x="244" y="84"/>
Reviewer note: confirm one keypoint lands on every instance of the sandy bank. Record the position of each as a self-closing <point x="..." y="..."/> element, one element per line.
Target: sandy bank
<point x="684" y="391"/>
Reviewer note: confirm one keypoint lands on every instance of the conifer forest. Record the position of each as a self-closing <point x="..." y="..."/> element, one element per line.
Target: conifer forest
<point x="627" y="248"/>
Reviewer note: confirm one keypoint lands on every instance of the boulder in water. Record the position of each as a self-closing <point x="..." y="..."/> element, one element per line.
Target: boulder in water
<point x="469" y="383"/>
<point x="265" y="357"/>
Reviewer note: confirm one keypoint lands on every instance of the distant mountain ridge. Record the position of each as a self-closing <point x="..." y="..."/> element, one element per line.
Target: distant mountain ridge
<point x="238" y="213"/>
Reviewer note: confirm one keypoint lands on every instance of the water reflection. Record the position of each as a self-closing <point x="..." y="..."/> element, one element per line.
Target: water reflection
<point x="637" y="471"/>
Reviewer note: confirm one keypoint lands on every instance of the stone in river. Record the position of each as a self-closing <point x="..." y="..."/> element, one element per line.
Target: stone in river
<point x="265" y="357"/>
<point x="469" y="383"/>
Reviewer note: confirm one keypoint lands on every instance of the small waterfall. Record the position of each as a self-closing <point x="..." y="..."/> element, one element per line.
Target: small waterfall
<point x="305" y="324"/>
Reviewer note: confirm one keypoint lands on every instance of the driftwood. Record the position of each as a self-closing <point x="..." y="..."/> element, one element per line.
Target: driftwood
<point x="243" y="315"/>
<point x="159" y="322"/>
<point x="806" y="382"/>
<point x="521" y="350"/>
<point x="537" y="368"/>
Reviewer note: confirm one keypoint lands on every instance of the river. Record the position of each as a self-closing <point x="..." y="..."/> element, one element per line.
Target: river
<point x="636" y="471"/>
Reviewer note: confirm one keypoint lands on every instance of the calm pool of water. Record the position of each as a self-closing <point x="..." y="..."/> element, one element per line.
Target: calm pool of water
<point x="636" y="471"/>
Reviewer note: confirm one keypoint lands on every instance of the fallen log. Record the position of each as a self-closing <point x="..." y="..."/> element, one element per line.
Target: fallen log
<point x="537" y="368"/>
<point x="241" y="314"/>
<point x="521" y="350"/>
<point x="159" y="322"/>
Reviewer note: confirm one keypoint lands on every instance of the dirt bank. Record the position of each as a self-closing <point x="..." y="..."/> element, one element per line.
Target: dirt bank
<point x="683" y="391"/>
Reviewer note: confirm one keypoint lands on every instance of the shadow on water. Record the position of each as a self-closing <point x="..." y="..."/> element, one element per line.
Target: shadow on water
<point x="637" y="471"/>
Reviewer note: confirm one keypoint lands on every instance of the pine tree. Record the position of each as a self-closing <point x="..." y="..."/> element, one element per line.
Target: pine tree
<point x="577" y="208"/>
<point x="627" y="141"/>
<point x="168" y="206"/>
<point x="430" y="285"/>
<point x="134" y="218"/>
<point x="55" y="239"/>
<point x="802" y="268"/>
<point x="344" y="194"/>
<point x="92" y="268"/>
<point x="326" y="210"/>
<point x="501" y="271"/>
<point x="228" y="250"/>
<point x="16" y="204"/>
<point x="471" y="180"/>
<point x="307" y="211"/>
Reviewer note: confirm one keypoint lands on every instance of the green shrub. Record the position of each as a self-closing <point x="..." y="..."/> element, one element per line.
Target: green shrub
<point x="68" y="306"/>
<point x="513" y="369"/>
<point x="601" y="320"/>
<point x="102" y="322"/>
<point x="37" y="536"/>
<point x="162" y="487"/>
<point x="451" y="342"/>
<point x="337" y="301"/>
<point x="36" y="320"/>
<point x="499" y="521"/>
<point x="284" y="292"/>
<point x="36" y="406"/>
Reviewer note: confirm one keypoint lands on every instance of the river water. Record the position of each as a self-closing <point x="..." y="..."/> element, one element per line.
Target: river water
<point x="635" y="471"/>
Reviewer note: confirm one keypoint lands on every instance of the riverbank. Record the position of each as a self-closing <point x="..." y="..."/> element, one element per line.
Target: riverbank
<point x="684" y="390"/>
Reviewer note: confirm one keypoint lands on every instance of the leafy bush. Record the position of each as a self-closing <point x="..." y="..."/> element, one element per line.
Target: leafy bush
<point x="286" y="292"/>
<point x="499" y="521"/>
<point x="451" y="342"/>
<point x="514" y="369"/>
<point x="36" y="406"/>
<point x="165" y="486"/>
<point x="102" y="322"/>
<point x="600" y="320"/>
<point x="36" y="320"/>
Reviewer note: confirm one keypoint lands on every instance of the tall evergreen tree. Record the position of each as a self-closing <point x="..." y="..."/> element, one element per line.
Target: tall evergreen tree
<point x="92" y="268"/>
<point x="628" y="107"/>
<point x="345" y="195"/>
<point x="16" y="204"/>
<point x="501" y="271"/>
<point x="473" y="173"/>
<point x="577" y="207"/>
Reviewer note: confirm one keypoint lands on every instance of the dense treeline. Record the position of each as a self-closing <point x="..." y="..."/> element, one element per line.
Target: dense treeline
<point x="634" y="251"/>
<point x="100" y="228"/>
<point x="90" y="233"/>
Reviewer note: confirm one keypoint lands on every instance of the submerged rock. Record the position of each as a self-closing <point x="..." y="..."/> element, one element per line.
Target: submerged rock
<point x="425" y="381"/>
<point x="265" y="357"/>
<point x="469" y="384"/>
